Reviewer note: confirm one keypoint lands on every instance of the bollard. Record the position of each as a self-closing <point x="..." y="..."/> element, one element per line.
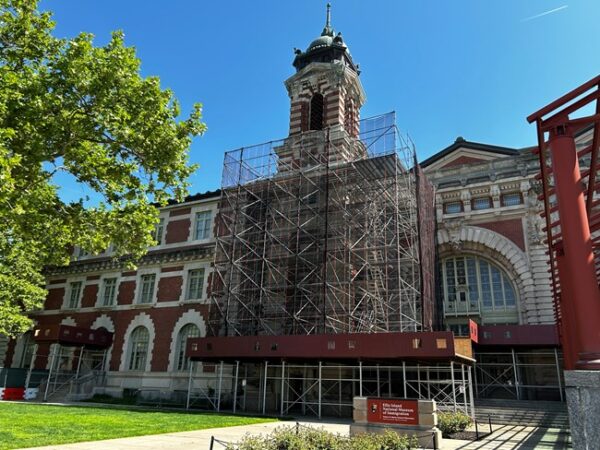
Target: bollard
<point x="297" y="427"/>
<point x="212" y="443"/>
<point x="434" y="442"/>
<point x="490" y="422"/>
<point x="476" y="431"/>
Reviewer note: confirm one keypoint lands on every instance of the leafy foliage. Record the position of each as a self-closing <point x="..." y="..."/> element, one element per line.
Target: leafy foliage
<point x="453" y="422"/>
<point x="67" y="105"/>
<point x="303" y="438"/>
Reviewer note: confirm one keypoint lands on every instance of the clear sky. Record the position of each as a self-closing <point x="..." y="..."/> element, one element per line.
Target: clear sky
<point x="448" y="68"/>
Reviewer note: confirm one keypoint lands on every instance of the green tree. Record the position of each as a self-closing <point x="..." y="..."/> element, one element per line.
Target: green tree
<point x="68" y="105"/>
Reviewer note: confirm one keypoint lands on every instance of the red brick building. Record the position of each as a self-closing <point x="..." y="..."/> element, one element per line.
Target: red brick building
<point x="492" y="264"/>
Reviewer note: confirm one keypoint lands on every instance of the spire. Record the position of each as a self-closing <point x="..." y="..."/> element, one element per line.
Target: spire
<point x="328" y="31"/>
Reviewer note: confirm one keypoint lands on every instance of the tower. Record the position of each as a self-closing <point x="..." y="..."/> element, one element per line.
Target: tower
<point x="318" y="232"/>
<point x="326" y="90"/>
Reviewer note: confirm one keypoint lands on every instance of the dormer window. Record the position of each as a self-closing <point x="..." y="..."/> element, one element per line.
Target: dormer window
<point x="316" y="112"/>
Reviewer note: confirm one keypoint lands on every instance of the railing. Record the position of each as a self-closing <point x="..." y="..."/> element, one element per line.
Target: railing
<point x="214" y="442"/>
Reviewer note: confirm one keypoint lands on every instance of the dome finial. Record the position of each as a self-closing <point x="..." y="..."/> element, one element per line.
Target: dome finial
<point x="328" y="31"/>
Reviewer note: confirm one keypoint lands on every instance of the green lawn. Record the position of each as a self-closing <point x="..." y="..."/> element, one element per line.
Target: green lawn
<point x="31" y="425"/>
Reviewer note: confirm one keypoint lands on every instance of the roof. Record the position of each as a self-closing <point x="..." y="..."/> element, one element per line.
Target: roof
<point x="328" y="47"/>
<point x="195" y="197"/>
<point x="460" y="142"/>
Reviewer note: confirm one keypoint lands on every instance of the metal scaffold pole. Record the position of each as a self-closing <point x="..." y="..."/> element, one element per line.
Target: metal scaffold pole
<point x="189" y="390"/>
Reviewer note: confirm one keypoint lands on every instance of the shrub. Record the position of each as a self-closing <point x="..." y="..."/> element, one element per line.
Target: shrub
<point x="453" y="422"/>
<point x="303" y="438"/>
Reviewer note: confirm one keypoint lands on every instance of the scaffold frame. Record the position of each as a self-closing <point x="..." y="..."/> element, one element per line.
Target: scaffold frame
<point x="328" y="388"/>
<point x="319" y="233"/>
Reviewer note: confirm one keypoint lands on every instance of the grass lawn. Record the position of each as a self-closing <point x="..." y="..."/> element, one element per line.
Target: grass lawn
<point x="31" y="425"/>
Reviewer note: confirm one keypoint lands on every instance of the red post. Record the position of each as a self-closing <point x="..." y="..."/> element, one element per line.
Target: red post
<point x="567" y="330"/>
<point x="578" y="260"/>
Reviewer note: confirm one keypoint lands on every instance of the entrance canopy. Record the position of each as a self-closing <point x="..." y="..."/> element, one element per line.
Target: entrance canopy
<point x="437" y="345"/>
<point x="68" y="335"/>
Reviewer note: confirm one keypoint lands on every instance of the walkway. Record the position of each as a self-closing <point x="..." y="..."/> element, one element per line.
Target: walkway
<point x="513" y="437"/>
<point x="505" y="437"/>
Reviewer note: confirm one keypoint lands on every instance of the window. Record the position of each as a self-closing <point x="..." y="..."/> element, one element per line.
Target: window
<point x="138" y="348"/>
<point x="109" y="291"/>
<point x="203" y="221"/>
<point x="461" y="330"/>
<point x="316" y="112"/>
<point x="511" y="199"/>
<point x="74" y="294"/>
<point x="81" y="253"/>
<point x="28" y="350"/>
<point x="147" y="282"/>
<point x="482" y="203"/>
<point x="452" y="207"/>
<point x="188" y="331"/>
<point x="159" y="231"/>
<point x="473" y="284"/>
<point x="195" y="284"/>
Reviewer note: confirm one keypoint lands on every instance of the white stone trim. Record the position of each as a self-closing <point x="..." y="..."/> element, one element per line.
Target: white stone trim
<point x="67" y="293"/>
<point x="197" y="209"/>
<point x="145" y="320"/>
<point x="138" y="282"/>
<point x="100" y="293"/>
<point x="191" y="316"/>
<point x="206" y="265"/>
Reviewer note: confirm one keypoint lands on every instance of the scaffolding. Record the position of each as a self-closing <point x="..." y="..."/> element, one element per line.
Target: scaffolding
<point x="534" y="374"/>
<point x="319" y="233"/>
<point x="327" y="388"/>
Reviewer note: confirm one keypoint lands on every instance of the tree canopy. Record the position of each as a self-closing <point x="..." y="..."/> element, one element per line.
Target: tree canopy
<point x="69" y="105"/>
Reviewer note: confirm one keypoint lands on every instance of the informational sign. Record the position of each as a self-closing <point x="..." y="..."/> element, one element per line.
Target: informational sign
<point x="393" y="411"/>
<point x="473" y="331"/>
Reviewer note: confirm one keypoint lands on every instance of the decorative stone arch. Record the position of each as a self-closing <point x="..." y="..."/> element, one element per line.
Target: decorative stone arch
<point x="103" y="321"/>
<point x="145" y="320"/>
<point x="191" y="316"/>
<point x="106" y="322"/>
<point x="69" y="321"/>
<point x="502" y="251"/>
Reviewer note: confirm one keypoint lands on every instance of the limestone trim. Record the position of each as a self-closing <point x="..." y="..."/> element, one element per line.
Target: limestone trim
<point x="185" y="280"/>
<point x="144" y="320"/>
<point x="487" y="243"/>
<point x="191" y="316"/>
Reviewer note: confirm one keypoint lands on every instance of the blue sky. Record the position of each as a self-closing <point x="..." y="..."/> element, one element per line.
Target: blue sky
<point x="448" y="68"/>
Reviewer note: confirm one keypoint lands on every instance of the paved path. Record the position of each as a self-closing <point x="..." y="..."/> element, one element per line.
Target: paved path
<point x="512" y="437"/>
<point x="505" y="437"/>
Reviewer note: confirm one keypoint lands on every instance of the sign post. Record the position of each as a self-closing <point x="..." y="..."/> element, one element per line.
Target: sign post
<point x="404" y="416"/>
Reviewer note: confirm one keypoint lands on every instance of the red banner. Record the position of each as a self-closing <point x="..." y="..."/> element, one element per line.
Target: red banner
<point x="474" y="331"/>
<point x="393" y="411"/>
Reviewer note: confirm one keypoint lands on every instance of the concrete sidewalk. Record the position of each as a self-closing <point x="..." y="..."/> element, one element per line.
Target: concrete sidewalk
<point x="504" y="437"/>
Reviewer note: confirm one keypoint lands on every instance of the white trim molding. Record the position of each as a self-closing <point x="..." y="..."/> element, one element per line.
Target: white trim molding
<point x="144" y="320"/>
<point x="138" y="280"/>
<point x="206" y="265"/>
<point x="191" y="316"/>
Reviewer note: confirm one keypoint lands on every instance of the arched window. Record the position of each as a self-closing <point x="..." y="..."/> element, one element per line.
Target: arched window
<point x="28" y="350"/>
<point x="138" y="348"/>
<point x="188" y="331"/>
<point x="477" y="285"/>
<point x="316" y="112"/>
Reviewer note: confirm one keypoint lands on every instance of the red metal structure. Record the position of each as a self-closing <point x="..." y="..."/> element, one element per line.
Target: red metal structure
<point x="572" y="213"/>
